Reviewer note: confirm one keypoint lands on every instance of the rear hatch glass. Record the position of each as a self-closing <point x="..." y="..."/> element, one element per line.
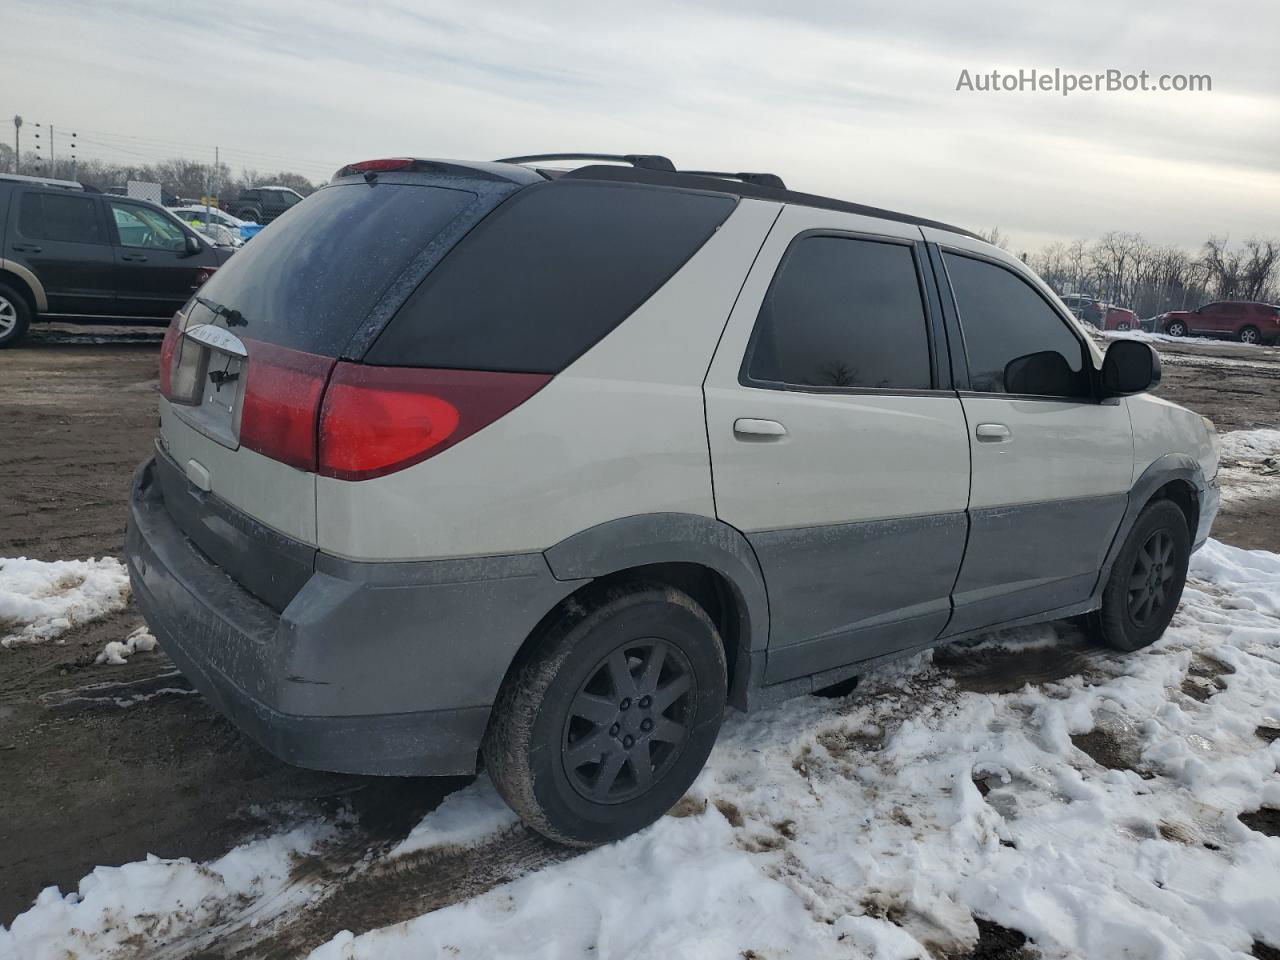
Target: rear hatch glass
<point x="245" y="367"/>
<point x="310" y="279"/>
<point x="296" y="294"/>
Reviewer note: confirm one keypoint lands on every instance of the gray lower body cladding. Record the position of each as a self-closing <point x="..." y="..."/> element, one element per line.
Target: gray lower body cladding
<point x="379" y="668"/>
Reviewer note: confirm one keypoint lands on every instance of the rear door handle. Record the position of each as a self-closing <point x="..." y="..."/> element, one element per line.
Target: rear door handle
<point x="27" y="247"/>
<point x="134" y="257"/>
<point x="749" y="427"/>
<point x="993" y="432"/>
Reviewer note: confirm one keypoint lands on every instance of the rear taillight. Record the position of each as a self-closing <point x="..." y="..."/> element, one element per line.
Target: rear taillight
<point x="179" y="366"/>
<point x="376" y="420"/>
<point x="282" y="394"/>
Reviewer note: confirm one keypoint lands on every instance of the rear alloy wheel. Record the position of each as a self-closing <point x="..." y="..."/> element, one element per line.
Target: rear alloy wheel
<point x="605" y="726"/>
<point x="1146" y="580"/>
<point x="1249" y="335"/>
<point x="15" y="316"/>
<point x="1122" y="325"/>
<point x="1176" y="329"/>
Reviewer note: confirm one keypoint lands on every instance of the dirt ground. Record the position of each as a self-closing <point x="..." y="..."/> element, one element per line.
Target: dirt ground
<point x="103" y="765"/>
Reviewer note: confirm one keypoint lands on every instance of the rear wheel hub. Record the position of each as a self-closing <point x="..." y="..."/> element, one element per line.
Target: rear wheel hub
<point x="628" y="721"/>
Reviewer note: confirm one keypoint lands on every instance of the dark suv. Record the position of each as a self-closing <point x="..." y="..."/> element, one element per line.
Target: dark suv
<point x="75" y="254"/>
<point x="264" y="204"/>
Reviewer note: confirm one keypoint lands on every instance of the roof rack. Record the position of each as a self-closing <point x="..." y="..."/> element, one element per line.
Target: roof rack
<point x="43" y="181"/>
<point x="744" y="188"/>
<point x="644" y="161"/>
<point x="759" y="179"/>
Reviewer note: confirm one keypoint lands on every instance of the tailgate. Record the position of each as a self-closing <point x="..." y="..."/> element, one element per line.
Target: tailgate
<point x="203" y="439"/>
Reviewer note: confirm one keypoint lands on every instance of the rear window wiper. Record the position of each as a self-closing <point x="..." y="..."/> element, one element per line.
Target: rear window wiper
<point x="233" y="317"/>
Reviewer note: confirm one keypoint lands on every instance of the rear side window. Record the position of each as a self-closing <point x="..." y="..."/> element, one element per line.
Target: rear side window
<point x="547" y="275"/>
<point x="57" y="217"/>
<point x="311" y="278"/>
<point x="1004" y="319"/>
<point x="842" y="313"/>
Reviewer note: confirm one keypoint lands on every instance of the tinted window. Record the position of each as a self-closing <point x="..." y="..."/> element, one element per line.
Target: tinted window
<point x="1005" y="319"/>
<point x="46" y="216"/>
<point x="308" y="281"/>
<point x="843" y="313"/>
<point x="548" y="274"/>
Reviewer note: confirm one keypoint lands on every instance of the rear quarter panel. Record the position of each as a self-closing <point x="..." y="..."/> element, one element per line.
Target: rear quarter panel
<point x="271" y="492"/>
<point x="620" y="432"/>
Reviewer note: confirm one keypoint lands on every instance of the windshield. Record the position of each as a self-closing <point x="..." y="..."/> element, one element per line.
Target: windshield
<point x="310" y="278"/>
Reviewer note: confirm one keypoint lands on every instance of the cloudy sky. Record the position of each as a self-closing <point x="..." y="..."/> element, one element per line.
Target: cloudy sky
<point x="857" y="100"/>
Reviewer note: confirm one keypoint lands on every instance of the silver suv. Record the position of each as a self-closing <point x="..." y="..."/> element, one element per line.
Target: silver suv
<point x="493" y="463"/>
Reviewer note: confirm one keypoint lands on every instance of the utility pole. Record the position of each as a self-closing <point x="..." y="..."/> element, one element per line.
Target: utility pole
<point x="53" y="167"/>
<point x="17" y="144"/>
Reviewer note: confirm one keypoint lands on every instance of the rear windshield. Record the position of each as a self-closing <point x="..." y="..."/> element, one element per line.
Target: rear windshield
<point x="547" y="275"/>
<point x="310" y="278"/>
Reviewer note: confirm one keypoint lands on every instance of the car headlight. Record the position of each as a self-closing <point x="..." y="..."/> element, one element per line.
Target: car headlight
<point x="1215" y="442"/>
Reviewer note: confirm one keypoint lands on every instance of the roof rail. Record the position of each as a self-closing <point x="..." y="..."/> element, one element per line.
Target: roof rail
<point x="645" y="161"/>
<point x="759" y="179"/>
<point x="43" y="181"/>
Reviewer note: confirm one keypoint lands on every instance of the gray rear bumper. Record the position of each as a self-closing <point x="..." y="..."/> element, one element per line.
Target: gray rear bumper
<point x="380" y="668"/>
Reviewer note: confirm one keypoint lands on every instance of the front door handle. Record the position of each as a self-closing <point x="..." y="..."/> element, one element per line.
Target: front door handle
<point x="134" y="257"/>
<point x="27" y="247"/>
<point x="749" y="427"/>
<point x="993" y="432"/>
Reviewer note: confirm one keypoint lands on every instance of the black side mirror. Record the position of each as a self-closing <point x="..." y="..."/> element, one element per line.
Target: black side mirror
<point x="1129" y="367"/>
<point x="1044" y="374"/>
<point x="193" y="246"/>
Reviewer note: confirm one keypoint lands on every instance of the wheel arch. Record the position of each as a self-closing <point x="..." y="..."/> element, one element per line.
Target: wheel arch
<point x="26" y="283"/>
<point x="1175" y="476"/>
<point x="708" y="559"/>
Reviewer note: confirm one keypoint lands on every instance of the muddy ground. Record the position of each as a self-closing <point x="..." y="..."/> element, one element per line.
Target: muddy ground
<point x="103" y="765"/>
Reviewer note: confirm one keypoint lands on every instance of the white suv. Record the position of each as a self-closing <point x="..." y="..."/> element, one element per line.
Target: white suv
<point x="486" y="462"/>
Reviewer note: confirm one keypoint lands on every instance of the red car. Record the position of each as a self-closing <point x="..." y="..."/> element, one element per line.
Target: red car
<point x="1118" y="318"/>
<point x="1237" y="319"/>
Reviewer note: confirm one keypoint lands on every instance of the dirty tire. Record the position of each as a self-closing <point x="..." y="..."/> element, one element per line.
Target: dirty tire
<point x="582" y="709"/>
<point x="15" y="316"/>
<point x="1125" y="621"/>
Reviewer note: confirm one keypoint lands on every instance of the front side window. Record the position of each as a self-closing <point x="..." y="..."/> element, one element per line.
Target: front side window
<point x="1015" y="342"/>
<point x="843" y="312"/>
<point x="142" y="227"/>
<point x="47" y="216"/>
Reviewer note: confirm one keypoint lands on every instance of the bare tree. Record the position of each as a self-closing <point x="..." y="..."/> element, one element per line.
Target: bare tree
<point x="1258" y="272"/>
<point x="994" y="237"/>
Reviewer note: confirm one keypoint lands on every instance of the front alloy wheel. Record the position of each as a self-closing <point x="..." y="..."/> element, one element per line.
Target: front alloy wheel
<point x="1149" y="578"/>
<point x="1146" y="580"/>
<point x="1176" y="329"/>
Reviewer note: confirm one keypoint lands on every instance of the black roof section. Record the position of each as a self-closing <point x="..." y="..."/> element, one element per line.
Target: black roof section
<point x="718" y="183"/>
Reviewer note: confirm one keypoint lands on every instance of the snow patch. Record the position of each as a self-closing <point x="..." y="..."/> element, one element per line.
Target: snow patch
<point x="466" y="817"/>
<point x="1250" y="464"/>
<point x="140" y="905"/>
<point x="40" y="600"/>
<point x="119" y="651"/>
